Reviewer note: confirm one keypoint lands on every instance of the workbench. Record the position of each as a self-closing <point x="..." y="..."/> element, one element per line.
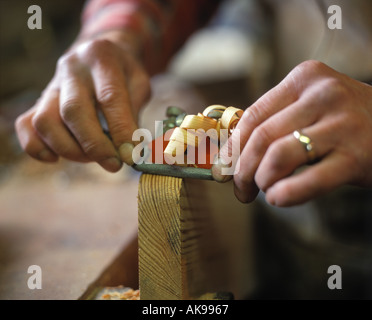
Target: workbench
<point x="75" y="221"/>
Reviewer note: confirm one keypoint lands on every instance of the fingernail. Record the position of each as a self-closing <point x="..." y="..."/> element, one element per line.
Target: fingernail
<point x="125" y="152"/>
<point x="47" y="155"/>
<point x="217" y="167"/>
<point x="111" y="164"/>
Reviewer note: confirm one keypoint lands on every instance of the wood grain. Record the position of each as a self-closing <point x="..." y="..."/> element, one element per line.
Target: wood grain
<point x="194" y="238"/>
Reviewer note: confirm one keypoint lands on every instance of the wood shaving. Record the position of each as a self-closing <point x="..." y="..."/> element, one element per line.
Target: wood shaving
<point x="127" y="295"/>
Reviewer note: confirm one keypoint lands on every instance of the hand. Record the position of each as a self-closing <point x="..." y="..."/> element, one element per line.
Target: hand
<point x="332" y="109"/>
<point x="97" y="74"/>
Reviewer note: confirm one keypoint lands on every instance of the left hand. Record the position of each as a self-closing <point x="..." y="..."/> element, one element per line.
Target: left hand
<point x="332" y="109"/>
<point x="98" y="73"/>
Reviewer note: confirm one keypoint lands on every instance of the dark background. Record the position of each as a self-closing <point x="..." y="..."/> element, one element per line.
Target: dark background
<point x="27" y="56"/>
<point x="28" y="59"/>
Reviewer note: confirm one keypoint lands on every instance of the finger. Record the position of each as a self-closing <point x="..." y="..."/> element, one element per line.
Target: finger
<point x="299" y="114"/>
<point x="287" y="154"/>
<point x="139" y="87"/>
<point x="50" y="128"/>
<point x="276" y="99"/>
<point x="289" y="90"/>
<point x="331" y="172"/>
<point x="29" y="139"/>
<point x="79" y="115"/>
<point x="114" y="100"/>
<point x="284" y="94"/>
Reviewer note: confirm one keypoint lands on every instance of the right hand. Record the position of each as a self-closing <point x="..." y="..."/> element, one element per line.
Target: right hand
<point x="96" y="74"/>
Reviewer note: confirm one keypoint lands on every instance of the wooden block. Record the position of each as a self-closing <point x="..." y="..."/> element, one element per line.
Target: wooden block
<point x="194" y="238"/>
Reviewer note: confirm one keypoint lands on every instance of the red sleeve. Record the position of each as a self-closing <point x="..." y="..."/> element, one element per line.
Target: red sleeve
<point x="162" y="25"/>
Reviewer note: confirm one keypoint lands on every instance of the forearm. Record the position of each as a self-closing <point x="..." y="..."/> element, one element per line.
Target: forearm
<point x="153" y="30"/>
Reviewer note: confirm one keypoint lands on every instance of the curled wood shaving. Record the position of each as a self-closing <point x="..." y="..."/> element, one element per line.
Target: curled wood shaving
<point x="127" y="295"/>
<point x="195" y="126"/>
<point x="230" y="118"/>
<point x="198" y="122"/>
<point x="216" y="107"/>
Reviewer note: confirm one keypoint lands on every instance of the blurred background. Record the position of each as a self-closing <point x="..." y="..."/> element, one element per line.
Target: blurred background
<point x="51" y="215"/>
<point x="28" y="59"/>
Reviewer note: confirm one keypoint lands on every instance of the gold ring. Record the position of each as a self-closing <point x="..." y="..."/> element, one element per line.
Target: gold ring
<point x="307" y="143"/>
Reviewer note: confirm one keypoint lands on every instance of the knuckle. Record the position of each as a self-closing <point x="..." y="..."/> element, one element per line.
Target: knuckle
<point x="336" y="90"/>
<point x="271" y="165"/>
<point x="275" y="155"/>
<point x="95" y="49"/>
<point x="311" y="67"/>
<point x="121" y="131"/>
<point x="97" y="45"/>
<point x="260" y="138"/>
<point x="122" y="128"/>
<point x="69" y="109"/>
<point x="65" y="61"/>
<point x="108" y="96"/>
<point x="40" y="123"/>
<point x="254" y="113"/>
<point x="95" y="150"/>
<point x="257" y="112"/>
<point x="20" y="121"/>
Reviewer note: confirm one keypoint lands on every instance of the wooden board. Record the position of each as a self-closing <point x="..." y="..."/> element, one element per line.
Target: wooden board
<point x="194" y="238"/>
